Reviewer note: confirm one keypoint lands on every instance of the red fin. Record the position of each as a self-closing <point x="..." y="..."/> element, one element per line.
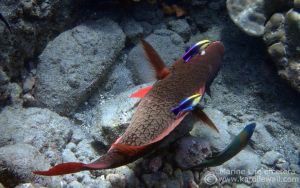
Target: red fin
<point x="129" y="150"/>
<point x="141" y="93"/>
<point x="203" y="117"/>
<point x="135" y="150"/>
<point x="159" y="66"/>
<point x="64" y="168"/>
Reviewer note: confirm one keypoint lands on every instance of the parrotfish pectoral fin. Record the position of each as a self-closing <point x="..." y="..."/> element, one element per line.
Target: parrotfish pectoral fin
<point x="141" y="93"/>
<point x="5" y="22"/>
<point x="237" y="144"/>
<point x="187" y="104"/>
<point x="203" y="117"/>
<point x="156" y="62"/>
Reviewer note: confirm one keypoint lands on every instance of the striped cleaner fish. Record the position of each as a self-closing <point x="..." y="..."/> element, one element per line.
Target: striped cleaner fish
<point x="154" y="119"/>
<point x="5" y="22"/>
<point x="237" y="144"/>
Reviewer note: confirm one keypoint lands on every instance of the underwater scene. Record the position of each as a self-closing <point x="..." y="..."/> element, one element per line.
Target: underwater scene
<point x="150" y="93"/>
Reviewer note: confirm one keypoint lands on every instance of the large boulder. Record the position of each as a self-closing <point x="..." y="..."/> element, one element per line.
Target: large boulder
<point x="17" y="163"/>
<point x="41" y="128"/>
<point x="250" y="16"/>
<point x="33" y="23"/>
<point x="75" y="62"/>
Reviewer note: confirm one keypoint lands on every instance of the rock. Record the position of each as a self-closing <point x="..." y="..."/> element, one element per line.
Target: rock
<point x="75" y="62"/>
<point x="179" y="176"/>
<point x="116" y="180"/>
<point x="219" y="141"/>
<point x="155" y="163"/>
<point x="271" y="157"/>
<point x="188" y="177"/>
<point x="250" y="16"/>
<point x="28" y="84"/>
<point x="120" y="79"/>
<point x="131" y="179"/>
<point x="17" y="163"/>
<point x="147" y="13"/>
<point x="181" y="27"/>
<point x="262" y="139"/>
<point x="108" y="119"/>
<point x="168" y="169"/>
<point x="191" y="151"/>
<point x="45" y="130"/>
<point x="245" y="161"/>
<point x="68" y="156"/>
<point x="169" y="46"/>
<point x="268" y="178"/>
<point x="4" y="79"/>
<point x="154" y="180"/>
<point x="33" y="24"/>
<point x="132" y="29"/>
<point x="15" y="92"/>
<point x="75" y="184"/>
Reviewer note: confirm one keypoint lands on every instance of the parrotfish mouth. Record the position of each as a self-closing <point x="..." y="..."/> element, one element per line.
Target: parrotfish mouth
<point x="199" y="47"/>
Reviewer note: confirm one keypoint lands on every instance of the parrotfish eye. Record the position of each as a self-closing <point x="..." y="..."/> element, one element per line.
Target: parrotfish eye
<point x="199" y="47"/>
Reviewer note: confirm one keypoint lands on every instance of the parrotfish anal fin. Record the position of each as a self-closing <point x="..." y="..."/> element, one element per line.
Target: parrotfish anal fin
<point x="141" y="93"/>
<point x="64" y="168"/>
<point x="203" y="117"/>
<point x="128" y="149"/>
<point x="156" y="62"/>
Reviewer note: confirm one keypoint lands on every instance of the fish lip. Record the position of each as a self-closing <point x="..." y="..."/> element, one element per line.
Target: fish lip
<point x="218" y="44"/>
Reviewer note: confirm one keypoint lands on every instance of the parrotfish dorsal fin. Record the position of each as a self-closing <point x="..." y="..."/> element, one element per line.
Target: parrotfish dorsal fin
<point x="155" y="60"/>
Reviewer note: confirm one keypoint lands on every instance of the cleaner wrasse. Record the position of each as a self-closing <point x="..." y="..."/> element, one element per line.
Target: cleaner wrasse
<point x="154" y="119"/>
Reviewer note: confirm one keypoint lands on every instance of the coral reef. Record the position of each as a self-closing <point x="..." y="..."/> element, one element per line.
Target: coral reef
<point x="277" y="22"/>
<point x="65" y="83"/>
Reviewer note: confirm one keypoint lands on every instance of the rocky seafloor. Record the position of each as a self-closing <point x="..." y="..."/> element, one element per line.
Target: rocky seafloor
<point x="66" y="75"/>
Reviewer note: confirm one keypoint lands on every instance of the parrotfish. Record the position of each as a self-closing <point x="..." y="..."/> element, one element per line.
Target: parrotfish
<point x="154" y="119"/>
<point x="5" y="22"/>
<point x="238" y="143"/>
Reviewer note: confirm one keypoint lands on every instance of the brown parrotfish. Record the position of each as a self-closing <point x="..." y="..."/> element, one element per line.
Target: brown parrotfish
<point x="162" y="108"/>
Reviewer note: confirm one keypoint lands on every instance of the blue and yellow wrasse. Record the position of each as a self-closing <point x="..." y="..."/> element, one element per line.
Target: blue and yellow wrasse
<point x="199" y="47"/>
<point x="237" y="144"/>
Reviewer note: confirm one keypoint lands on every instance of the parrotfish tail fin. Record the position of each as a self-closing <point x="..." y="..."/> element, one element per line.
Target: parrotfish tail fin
<point x="237" y="144"/>
<point x="110" y="160"/>
<point x="141" y="93"/>
<point x="157" y="63"/>
<point x="198" y="112"/>
<point x="5" y="22"/>
<point x="64" y="168"/>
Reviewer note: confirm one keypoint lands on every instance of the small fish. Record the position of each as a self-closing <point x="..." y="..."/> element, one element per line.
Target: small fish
<point x="187" y="104"/>
<point x="198" y="47"/>
<point x="5" y="22"/>
<point x="237" y="144"/>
